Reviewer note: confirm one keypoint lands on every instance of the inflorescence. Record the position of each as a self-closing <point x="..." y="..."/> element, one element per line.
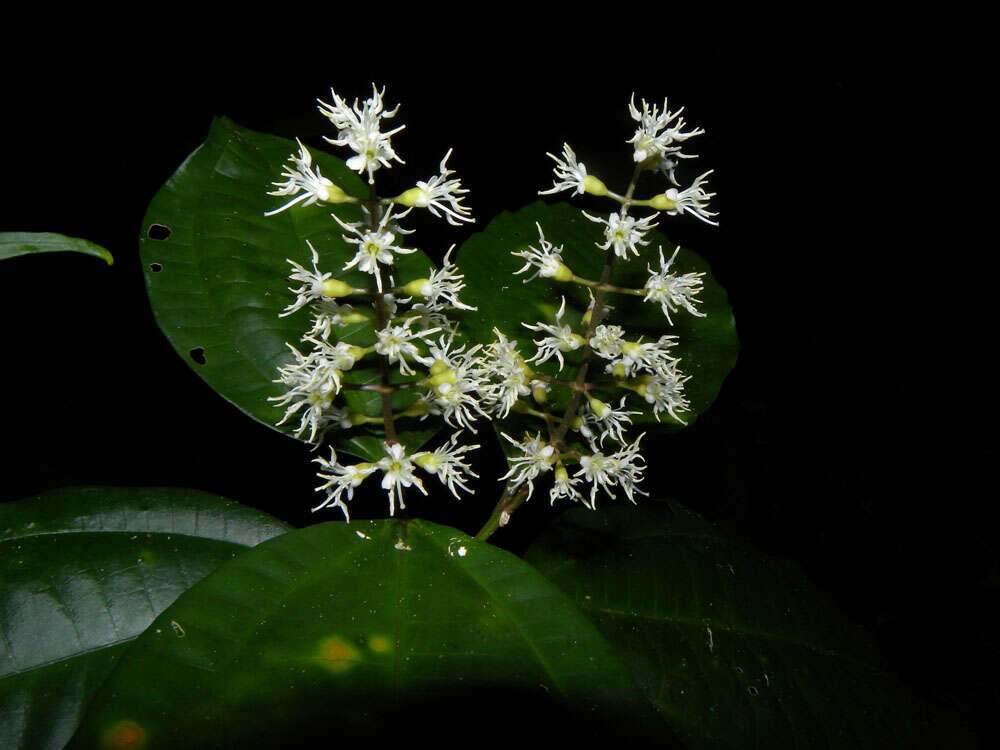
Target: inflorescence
<point x="459" y="384"/>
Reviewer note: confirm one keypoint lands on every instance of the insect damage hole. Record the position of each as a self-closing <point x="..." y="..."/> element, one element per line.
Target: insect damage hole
<point x="158" y="232"/>
<point x="155" y="267"/>
<point x="198" y="355"/>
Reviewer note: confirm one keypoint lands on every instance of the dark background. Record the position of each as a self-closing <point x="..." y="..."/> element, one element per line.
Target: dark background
<point x="846" y="438"/>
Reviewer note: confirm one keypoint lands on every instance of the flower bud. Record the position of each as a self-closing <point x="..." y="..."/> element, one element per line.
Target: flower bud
<point x="662" y="203"/>
<point x="335" y="195"/>
<point x="540" y="393"/>
<point x="352" y="318"/>
<point x="594" y="186"/>
<point x="598" y="406"/>
<point x="439" y="366"/>
<point x="561" y="272"/>
<point x="413" y="197"/>
<point x="561" y="474"/>
<point x="336" y="288"/>
<point x="417" y="288"/>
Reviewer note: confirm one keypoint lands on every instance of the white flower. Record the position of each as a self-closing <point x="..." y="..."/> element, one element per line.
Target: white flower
<point x="340" y="479"/>
<point x="563" y="487"/>
<point x="312" y="283"/>
<point x="671" y="290"/>
<point x="693" y="200"/>
<point x="640" y="356"/>
<point x="312" y="381"/>
<point x="560" y="339"/>
<point x="442" y="288"/>
<point x="607" y="341"/>
<point x="612" y="422"/>
<point x="622" y="469"/>
<point x="504" y="374"/>
<point x="441" y="194"/>
<point x="537" y="459"/>
<point x="358" y="128"/>
<point x="665" y="391"/>
<point x="547" y="259"/>
<point x="374" y="246"/>
<point x="396" y="343"/>
<point x="570" y="174"/>
<point x="455" y="379"/>
<point x="649" y="142"/>
<point x="448" y="465"/>
<point x="327" y="313"/>
<point x="306" y="184"/>
<point x="623" y="232"/>
<point x="341" y="356"/>
<point x="397" y="474"/>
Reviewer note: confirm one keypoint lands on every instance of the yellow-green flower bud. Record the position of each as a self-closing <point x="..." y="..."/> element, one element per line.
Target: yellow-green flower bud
<point x="598" y="406"/>
<point x="336" y="288"/>
<point x="356" y="418"/>
<point x="577" y="423"/>
<point x="353" y="317"/>
<point x="540" y="393"/>
<point x="413" y="197"/>
<point x="562" y="273"/>
<point x="585" y="318"/>
<point x="447" y="377"/>
<point x="336" y="195"/>
<point x="561" y="474"/>
<point x="417" y="288"/>
<point x="426" y="460"/>
<point x="594" y="186"/>
<point x="438" y="367"/>
<point x="357" y="352"/>
<point x="662" y="203"/>
<point x="619" y="370"/>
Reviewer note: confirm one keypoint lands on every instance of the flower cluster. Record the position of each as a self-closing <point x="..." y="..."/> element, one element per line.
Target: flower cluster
<point x="614" y="376"/>
<point x="388" y="325"/>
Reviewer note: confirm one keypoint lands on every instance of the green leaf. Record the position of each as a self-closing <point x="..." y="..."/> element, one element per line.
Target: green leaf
<point x="361" y="630"/>
<point x="734" y="649"/>
<point x="13" y="244"/>
<point x="707" y="346"/>
<point x="217" y="274"/>
<point x="84" y="570"/>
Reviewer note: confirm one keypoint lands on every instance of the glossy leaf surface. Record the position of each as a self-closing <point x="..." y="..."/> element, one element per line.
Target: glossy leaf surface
<point x="13" y="244"/>
<point x="734" y="649"/>
<point x="217" y="271"/>
<point x="365" y="630"/>
<point x="84" y="570"/>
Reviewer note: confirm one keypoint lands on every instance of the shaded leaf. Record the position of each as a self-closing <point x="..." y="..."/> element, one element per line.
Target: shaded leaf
<point x="734" y="649"/>
<point x="13" y="244"/>
<point x="369" y="629"/>
<point x="84" y="570"/>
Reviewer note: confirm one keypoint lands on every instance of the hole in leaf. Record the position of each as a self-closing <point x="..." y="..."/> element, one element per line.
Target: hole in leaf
<point x="155" y="267"/>
<point x="198" y="355"/>
<point x="158" y="232"/>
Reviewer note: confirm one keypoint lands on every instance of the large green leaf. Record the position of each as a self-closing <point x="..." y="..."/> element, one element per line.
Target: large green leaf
<point x="13" y="244"/>
<point x="84" y="570"/>
<point x="707" y="346"/>
<point x="364" y="630"/>
<point x="217" y="274"/>
<point x="733" y="648"/>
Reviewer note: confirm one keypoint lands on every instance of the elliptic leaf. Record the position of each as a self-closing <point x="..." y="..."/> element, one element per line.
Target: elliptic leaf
<point x="734" y="649"/>
<point x="365" y="630"/>
<point x="84" y="570"/>
<point x="13" y="244"/>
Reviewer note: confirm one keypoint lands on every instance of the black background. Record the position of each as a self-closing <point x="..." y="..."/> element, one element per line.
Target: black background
<point x="844" y="439"/>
